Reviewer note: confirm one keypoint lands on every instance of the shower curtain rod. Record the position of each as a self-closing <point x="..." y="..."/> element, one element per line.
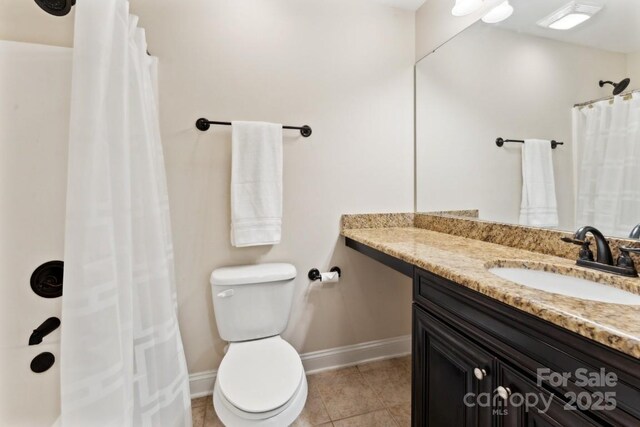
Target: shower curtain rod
<point x="625" y="96"/>
<point x="204" y="125"/>
<point x="500" y="142"/>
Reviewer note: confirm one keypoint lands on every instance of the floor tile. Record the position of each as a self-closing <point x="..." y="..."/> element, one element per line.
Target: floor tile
<point x="382" y="364"/>
<point x="401" y="414"/>
<point x="390" y="379"/>
<point x="200" y="401"/>
<point x="210" y="417"/>
<point x="369" y="395"/>
<point x="197" y="415"/>
<point x="314" y="412"/>
<point x="372" y="419"/>
<point x="345" y="393"/>
<point x="406" y="361"/>
<point x="331" y="375"/>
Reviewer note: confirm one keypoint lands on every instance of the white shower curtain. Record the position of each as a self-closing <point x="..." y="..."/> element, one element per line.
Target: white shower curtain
<point x="608" y="138"/>
<point x="122" y="360"/>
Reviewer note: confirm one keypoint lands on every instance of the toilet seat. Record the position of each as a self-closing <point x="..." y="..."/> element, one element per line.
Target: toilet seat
<point x="260" y="378"/>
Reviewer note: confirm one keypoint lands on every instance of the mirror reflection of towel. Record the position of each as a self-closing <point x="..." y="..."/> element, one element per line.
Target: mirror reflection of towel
<point x="539" y="207"/>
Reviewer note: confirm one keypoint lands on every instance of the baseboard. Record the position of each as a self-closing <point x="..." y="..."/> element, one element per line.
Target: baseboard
<point x="201" y="383"/>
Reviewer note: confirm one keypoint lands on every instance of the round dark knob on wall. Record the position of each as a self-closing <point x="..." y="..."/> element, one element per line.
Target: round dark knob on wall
<point x="42" y="362"/>
<point x="46" y="280"/>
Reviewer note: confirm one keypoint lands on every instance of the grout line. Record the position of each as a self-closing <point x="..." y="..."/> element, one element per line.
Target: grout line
<point x="324" y="405"/>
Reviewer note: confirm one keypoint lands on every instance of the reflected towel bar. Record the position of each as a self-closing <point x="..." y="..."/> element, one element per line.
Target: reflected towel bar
<point x="204" y="125"/>
<point x="500" y="142"/>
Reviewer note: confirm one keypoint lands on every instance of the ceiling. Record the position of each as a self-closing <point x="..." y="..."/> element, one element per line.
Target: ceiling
<point x="402" y="4"/>
<point x="615" y="28"/>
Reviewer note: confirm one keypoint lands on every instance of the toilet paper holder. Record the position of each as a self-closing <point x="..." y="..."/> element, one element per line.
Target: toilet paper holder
<point x="314" y="273"/>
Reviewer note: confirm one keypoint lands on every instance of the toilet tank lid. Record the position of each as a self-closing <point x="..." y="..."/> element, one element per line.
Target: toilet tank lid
<point x="248" y="274"/>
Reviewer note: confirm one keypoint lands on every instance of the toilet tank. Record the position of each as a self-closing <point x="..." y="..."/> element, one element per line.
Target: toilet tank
<point x="252" y="301"/>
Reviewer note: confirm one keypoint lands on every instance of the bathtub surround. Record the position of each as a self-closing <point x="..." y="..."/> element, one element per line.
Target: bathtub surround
<point x="122" y="360"/>
<point x="33" y="171"/>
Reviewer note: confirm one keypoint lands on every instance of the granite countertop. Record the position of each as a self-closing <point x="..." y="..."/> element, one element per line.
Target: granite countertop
<point x="465" y="261"/>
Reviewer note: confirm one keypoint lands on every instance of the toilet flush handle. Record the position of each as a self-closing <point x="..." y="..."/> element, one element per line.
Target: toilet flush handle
<point x="226" y="294"/>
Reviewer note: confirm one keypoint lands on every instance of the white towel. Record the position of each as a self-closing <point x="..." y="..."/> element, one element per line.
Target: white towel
<point x="539" y="207"/>
<point x="256" y="184"/>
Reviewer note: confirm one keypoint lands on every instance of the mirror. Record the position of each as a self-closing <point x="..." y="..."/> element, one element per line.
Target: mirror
<point x="517" y="80"/>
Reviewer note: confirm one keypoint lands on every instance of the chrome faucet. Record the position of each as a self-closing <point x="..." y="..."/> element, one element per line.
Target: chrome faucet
<point x="635" y="233"/>
<point x="604" y="259"/>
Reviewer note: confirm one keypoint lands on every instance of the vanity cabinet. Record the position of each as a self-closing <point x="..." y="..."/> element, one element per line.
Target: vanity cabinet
<point x="449" y="368"/>
<point x="477" y="361"/>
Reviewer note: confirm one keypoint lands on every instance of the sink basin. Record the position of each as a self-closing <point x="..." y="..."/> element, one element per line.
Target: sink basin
<point x="566" y="285"/>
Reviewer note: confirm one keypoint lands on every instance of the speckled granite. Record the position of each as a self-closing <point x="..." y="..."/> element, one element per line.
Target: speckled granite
<point x="382" y="220"/>
<point x="474" y="213"/>
<point x="541" y="240"/>
<point x="464" y="261"/>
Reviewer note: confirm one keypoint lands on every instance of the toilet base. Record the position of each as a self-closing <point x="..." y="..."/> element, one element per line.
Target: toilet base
<point x="283" y="419"/>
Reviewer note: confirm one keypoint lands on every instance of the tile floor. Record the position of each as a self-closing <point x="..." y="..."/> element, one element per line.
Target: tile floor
<point x="376" y="394"/>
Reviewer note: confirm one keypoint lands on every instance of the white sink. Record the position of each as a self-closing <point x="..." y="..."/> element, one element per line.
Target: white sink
<point x="567" y="285"/>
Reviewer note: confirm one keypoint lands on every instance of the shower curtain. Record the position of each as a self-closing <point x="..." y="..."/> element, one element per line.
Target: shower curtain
<point x="608" y="138"/>
<point x="122" y="360"/>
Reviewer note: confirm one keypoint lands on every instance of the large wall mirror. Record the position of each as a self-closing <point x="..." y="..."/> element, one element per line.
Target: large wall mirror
<point x="528" y="82"/>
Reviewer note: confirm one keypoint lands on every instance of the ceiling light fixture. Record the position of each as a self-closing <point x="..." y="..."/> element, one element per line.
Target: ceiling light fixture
<point x="569" y="16"/>
<point x="498" y="13"/>
<point x="466" y="7"/>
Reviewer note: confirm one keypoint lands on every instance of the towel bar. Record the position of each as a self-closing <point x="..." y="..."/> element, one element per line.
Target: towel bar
<point x="500" y="142"/>
<point x="204" y="125"/>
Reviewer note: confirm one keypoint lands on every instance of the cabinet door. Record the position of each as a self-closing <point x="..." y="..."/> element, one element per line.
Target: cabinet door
<point x="449" y="373"/>
<point x="544" y="409"/>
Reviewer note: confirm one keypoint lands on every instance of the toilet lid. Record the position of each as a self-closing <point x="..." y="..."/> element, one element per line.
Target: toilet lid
<point x="260" y="375"/>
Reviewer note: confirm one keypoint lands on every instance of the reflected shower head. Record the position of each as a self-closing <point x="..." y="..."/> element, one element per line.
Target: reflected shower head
<point x="56" y="7"/>
<point x="618" y="88"/>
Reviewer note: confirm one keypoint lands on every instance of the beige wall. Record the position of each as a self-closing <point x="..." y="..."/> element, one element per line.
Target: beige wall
<point x="35" y="82"/>
<point x="344" y="68"/>
<point x="633" y="69"/>
<point x="435" y="24"/>
<point x="520" y="86"/>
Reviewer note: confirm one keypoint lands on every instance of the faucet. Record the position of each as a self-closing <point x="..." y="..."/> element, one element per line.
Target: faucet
<point x="604" y="259"/>
<point x="48" y="326"/>
<point x="635" y="233"/>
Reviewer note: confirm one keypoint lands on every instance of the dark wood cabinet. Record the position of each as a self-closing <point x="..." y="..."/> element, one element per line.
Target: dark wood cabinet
<point x="545" y="409"/>
<point x="449" y="370"/>
<point x="457" y="330"/>
<point x="458" y="333"/>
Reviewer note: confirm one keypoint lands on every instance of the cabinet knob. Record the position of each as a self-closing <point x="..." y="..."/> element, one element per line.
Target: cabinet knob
<point x="479" y="373"/>
<point x="503" y="392"/>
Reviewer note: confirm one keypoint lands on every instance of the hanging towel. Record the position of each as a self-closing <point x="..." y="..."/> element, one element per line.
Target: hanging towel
<point x="539" y="207"/>
<point x="256" y="184"/>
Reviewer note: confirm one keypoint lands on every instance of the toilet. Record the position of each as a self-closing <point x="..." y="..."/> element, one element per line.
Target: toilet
<point x="261" y="381"/>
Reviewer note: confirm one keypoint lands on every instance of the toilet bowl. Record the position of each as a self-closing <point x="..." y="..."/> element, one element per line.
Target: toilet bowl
<point x="261" y="380"/>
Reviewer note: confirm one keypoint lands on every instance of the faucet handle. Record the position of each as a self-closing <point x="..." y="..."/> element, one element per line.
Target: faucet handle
<point x="625" y="260"/>
<point x="627" y="249"/>
<point x="585" y="251"/>
<point x="574" y="241"/>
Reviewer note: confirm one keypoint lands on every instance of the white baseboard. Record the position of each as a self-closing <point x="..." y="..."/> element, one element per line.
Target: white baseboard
<point x="201" y="383"/>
